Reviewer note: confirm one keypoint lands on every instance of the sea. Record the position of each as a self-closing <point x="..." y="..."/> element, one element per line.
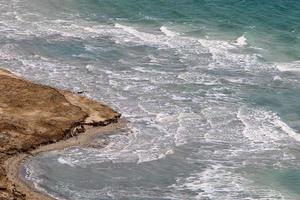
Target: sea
<point x="210" y="89"/>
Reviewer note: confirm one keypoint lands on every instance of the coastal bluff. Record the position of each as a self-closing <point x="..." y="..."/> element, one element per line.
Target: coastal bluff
<point x="34" y="115"/>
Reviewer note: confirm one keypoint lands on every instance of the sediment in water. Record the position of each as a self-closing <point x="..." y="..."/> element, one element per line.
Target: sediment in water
<point x="35" y="118"/>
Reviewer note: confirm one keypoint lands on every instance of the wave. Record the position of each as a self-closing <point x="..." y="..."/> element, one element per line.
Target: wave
<point x="289" y="67"/>
<point x="179" y="92"/>
<point x="241" y="41"/>
<point x="168" y="32"/>
<point x="265" y="127"/>
<point x="208" y="184"/>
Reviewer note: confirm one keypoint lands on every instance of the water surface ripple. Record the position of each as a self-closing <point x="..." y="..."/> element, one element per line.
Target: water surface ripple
<point x="213" y="113"/>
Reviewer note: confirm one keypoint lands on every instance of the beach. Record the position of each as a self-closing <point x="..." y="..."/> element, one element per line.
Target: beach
<point x="98" y="120"/>
<point x="12" y="165"/>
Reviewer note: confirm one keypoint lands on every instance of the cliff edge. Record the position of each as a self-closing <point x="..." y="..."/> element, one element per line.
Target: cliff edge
<point x="33" y="115"/>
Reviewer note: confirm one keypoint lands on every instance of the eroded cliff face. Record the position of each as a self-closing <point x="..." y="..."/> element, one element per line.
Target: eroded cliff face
<point x="32" y="115"/>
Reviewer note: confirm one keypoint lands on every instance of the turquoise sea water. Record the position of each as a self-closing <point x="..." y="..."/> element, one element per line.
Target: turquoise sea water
<point x="272" y="26"/>
<point x="211" y="90"/>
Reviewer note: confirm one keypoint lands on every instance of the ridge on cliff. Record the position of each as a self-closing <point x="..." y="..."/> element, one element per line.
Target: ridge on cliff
<point x="32" y="115"/>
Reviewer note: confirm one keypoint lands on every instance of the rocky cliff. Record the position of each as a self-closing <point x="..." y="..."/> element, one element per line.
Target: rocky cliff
<point x="32" y="115"/>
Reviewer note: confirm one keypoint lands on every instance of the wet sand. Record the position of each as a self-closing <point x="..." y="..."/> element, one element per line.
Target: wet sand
<point x="14" y="163"/>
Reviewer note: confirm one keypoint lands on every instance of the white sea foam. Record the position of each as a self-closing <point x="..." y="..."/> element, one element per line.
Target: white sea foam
<point x="291" y="66"/>
<point x="277" y="78"/>
<point x="222" y="183"/>
<point x="161" y="104"/>
<point x="197" y="78"/>
<point x="31" y="174"/>
<point x="187" y="48"/>
<point x="168" y="32"/>
<point x="263" y="126"/>
<point x="65" y="161"/>
<point x="149" y="38"/>
<point x="241" y="41"/>
<point x="143" y="69"/>
<point x="283" y="126"/>
<point x="224" y="57"/>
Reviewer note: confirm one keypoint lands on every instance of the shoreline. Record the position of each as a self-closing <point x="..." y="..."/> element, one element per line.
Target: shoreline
<point x="31" y="124"/>
<point x="13" y="164"/>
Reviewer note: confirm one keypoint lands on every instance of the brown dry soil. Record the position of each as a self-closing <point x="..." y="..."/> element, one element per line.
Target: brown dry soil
<point x="33" y="115"/>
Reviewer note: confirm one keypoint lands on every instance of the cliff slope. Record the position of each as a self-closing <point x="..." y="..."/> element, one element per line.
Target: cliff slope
<point x="32" y="115"/>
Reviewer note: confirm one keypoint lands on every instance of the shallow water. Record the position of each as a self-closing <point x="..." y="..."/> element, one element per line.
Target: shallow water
<point x="211" y="90"/>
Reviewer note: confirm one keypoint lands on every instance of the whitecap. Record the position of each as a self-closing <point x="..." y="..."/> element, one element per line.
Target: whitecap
<point x="266" y="127"/>
<point x="220" y="182"/>
<point x="168" y="32"/>
<point x="241" y="41"/>
<point x="66" y="161"/>
<point x="289" y="67"/>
